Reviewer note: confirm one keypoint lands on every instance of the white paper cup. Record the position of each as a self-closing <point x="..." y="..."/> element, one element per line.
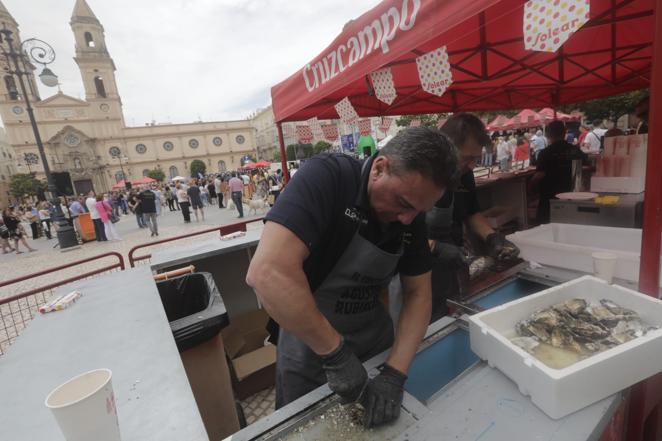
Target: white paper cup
<point x="84" y="407"/>
<point x="604" y="265"/>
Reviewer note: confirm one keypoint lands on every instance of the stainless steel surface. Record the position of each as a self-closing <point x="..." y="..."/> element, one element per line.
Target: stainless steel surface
<point x="119" y="324"/>
<point x="576" y="175"/>
<point x="626" y="213"/>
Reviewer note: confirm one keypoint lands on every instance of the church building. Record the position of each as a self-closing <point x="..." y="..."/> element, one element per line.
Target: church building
<point x="89" y="138"/>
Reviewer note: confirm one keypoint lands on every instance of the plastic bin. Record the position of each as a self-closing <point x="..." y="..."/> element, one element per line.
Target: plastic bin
<point x="196" y="313"/>
<point x="194" y="308"/>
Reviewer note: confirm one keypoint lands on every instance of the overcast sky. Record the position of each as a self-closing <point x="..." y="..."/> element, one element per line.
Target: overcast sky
<point x="180" y="60"/>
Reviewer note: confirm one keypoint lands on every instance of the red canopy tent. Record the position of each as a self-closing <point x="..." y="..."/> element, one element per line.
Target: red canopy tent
<point x="497" y="123"/>
<point x="550" y="114"/>
<point x="612" y="53"/>
<point x="525" y="119"/>
<point x="262" y="163"/>
<point x="144" y="180"/>
<point x="119" y="185"/>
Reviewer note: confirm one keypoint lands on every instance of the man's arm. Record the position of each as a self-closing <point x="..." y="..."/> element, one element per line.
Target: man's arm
<point x="414" y="319"/>
<point x="276" y="274"/>
<point x="479" y="225"/>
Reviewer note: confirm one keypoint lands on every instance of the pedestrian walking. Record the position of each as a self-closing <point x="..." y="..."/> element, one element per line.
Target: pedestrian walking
<point x="4" y="238"/>
<point x="149" y="203"/>
<point x="45" y="219"/>
<point x="183" y="200"/>
<point x="195" y="200"/>
<point x="76" y="209"/>
<point x="211" y="189"/>
<point x="236" y="186"/>
<point x="91" y="204"/>
<point x="105" y="211"/>
<point x="134" y="205"/>
<point x="12" y="221"/>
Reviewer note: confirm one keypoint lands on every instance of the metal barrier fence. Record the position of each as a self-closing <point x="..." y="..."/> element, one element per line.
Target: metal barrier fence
<point x="16" y="311"/>
<point x="222" y="229"/>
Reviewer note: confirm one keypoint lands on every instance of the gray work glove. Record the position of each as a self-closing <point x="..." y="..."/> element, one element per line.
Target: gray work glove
<point x="345" y="373"/>
<point x="383" y="397"/>
<point x="501" y="249"/>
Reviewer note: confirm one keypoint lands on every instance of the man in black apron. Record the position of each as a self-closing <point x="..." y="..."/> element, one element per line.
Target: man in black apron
<point x="459" y="209"/>
<point x="332" y="242"/>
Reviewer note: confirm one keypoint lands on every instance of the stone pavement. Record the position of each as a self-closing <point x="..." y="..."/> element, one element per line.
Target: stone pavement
<point x="170" y="224"/>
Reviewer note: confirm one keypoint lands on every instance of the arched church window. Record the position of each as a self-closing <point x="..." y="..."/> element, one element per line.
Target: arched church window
<point x="98" y="84"/>
<point x="10" y="85"/>
<point x="221" y="166"/>
<point x="173" y="171"/>
<point x="77" y="164"/>
<point x="89" y="40"/>
<point x="119" y="176"/>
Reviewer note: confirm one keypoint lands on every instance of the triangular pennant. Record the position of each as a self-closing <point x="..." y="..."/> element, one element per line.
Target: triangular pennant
<point x="382" y="82"/>
<point x="315" y="127"/>
<point x="304" y="134"/>
<point x="330" y="132"/>
<point x="548" y="24"/>
<point x="346" y="111"/>
<point x="365" y="127"/>
<point x="434" y="71"/>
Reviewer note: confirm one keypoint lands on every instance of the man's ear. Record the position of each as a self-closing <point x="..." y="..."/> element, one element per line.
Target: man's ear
<point x="379" y="167"/>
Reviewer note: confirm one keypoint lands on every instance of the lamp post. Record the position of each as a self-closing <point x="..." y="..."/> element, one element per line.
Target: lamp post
<point x="39" y="52"/>
<point x="121" y="158"/>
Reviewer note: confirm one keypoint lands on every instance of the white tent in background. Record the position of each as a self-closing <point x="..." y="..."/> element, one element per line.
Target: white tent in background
<point x="384" y="141"/>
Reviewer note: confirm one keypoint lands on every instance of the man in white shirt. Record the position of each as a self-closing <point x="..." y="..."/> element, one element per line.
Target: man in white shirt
<point x="91" y="204"/>
<point x="593" y="140"/>
<point x="219" y="193"/>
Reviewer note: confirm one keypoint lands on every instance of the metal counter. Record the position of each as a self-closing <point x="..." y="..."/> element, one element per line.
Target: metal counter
<point x="119" y="324"/>
<point x="447" y="397"/>
<point x="627" y="213"/>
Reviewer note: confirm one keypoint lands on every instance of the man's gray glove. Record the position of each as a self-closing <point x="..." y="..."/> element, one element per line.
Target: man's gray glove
<point x="500" y="248"/>
<point x="451" y="254"/>
<point x="383" y="397"/>
<point x="345" y="373"/>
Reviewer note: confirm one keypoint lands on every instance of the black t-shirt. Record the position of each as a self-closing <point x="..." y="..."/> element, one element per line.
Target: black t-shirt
<point x="465" y="204"/>
<point x="147" y="201"/>
<point x="556" y="162"/>
<point x="319" y="204"/>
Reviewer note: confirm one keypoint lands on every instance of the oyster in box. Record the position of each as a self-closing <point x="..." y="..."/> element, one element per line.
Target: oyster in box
<point x="574" y="344"/>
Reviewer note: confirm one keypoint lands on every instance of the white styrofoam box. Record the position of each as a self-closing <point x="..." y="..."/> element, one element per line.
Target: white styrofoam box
<point x="570" y="246"/>
<point x="559" y="392"/>
<point x="627" y="184"/>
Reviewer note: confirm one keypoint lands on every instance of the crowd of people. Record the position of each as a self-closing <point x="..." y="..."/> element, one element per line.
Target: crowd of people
<point x="146" y="203"/>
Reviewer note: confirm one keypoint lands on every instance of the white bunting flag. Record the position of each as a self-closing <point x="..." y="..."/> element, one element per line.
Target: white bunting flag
<point x="434" y="71"/>
<point x="346" y="112"/>
<point x="382" y="82"/>
<point x="365" y="127"/>
<point x="330" y="132"/>
<point x="304" y="134"/>
<point x="315" y="127"/>
<point x="386" y="124"/>
<point x="549" y="23"/>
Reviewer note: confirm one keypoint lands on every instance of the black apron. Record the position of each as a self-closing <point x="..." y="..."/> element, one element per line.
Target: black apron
<point x="439" y="222"/>
<point x="349" y="299"/>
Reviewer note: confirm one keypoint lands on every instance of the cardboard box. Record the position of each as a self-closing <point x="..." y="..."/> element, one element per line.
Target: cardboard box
<point x="252" y="362"/>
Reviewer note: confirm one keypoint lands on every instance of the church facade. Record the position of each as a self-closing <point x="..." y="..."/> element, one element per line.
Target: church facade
<point x="89" y="138"/>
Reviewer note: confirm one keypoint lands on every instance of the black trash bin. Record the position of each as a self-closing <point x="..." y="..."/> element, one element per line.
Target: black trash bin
<point x="196" y="313"/>
<point x="194" y="308"/>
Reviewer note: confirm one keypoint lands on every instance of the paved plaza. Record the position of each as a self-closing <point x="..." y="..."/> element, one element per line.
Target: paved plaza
<point x="47" y="255"/>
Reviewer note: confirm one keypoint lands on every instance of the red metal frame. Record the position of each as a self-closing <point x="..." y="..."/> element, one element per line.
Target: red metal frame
<point x="16" y="311"/>
<point x="223" y="229"/>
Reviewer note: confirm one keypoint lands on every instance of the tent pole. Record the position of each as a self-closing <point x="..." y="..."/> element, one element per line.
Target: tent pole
<point x="283" y="155"/>
<point x="645" y="396"/>
<point x="649" y="273"/>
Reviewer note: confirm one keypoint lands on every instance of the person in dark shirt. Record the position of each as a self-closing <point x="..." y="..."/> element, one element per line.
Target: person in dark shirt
<point x="458" y="210"/>
<point x="554" y="169"/>
<point x="331" y="244"/>
<point x="148" y="205"/>
<point x="193" y="192"/>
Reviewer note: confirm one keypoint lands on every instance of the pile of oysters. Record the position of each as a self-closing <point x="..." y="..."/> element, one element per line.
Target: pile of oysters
<point x="581" y="327"/>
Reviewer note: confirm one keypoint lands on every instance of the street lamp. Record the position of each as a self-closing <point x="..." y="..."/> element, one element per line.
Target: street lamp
<point x="39" y="52"/>
<point x="121" y="158"/>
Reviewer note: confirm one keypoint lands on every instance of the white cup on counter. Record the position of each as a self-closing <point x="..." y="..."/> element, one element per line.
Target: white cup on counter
<point x="604" y="265"/>
<point x="84" y="407"/>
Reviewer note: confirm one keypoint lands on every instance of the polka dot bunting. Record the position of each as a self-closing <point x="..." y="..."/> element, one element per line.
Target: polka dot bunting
<point x="365" y="127"/>
<point x="434" y="71"/>
<point x="548" y="24"/>
<point x="346" y="111"/>
<point x="304" y="134"/>
<point x="315" y="127"/>
<point x="382" y="82"/>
